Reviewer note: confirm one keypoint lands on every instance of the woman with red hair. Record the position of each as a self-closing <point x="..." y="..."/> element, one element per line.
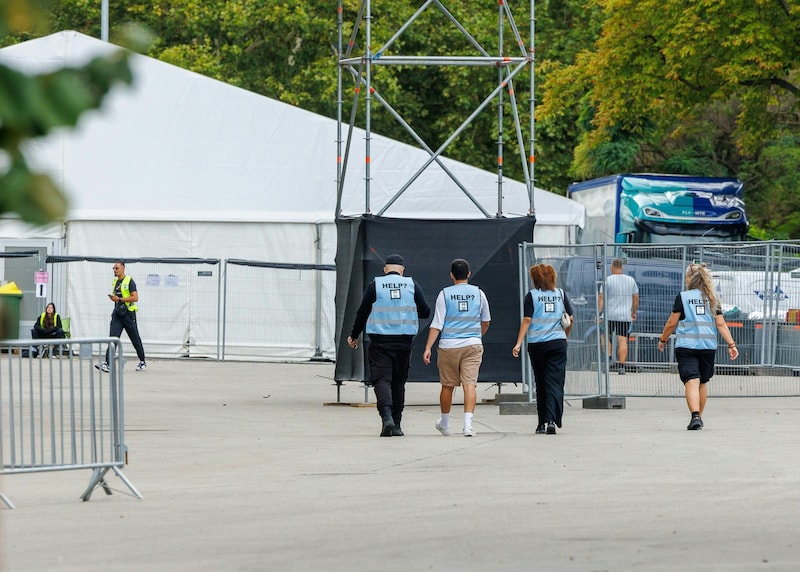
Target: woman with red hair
<point x="547" y="344"/>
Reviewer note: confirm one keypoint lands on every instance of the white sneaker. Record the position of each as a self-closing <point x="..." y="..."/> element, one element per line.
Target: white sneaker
<point x="443" y="430"/>
<point x="142" y="366"/>
<point x="469" y="432"/>
<point x="102" y="367"/>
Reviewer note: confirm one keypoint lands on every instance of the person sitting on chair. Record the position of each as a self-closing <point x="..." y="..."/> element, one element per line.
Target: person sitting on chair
<point x="47" y="326"/>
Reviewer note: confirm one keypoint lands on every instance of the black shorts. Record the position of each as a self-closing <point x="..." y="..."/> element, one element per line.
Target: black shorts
<point x="619" y="328"/>
<point x="695" y="364"/>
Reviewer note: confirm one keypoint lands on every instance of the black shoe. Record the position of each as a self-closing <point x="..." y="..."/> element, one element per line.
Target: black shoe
<point x="695" y="424"/>
<point x="388" y="428"/>
<point x="387" y="420"/>
<point x="621" y="368"/>
<point x="551" y="428"/>
<point x="541" y="428"/>
<point x="397" y="432"/>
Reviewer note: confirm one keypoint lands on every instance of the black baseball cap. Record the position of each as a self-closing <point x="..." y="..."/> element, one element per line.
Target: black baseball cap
<point x="395" y="259"/>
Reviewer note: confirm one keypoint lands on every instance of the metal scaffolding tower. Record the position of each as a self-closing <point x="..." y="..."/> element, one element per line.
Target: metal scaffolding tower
<point x="508" y="68"/>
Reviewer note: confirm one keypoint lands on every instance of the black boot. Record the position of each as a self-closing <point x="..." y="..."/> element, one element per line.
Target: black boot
<point x="397" y="432"/>
<point x="387" y="420"/>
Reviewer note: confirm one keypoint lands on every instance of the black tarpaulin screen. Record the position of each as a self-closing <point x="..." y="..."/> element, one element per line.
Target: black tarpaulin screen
<point x="428" y="246"/>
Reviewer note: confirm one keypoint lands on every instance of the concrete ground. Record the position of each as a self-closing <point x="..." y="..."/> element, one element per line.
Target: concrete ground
<point x="243" y="467"/>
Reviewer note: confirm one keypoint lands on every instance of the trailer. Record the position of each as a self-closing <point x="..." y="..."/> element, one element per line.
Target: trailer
<point x="666" y="209"/>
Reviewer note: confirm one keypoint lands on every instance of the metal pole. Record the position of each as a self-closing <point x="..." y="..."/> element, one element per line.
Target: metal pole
<point x="318" y="273"/>
<point x="603" y="340"/>
<point x="500" y="72"/>
<point x="532" y="155"/>
<point x="222" y="305"/>
<point x="104" y="20"/>
<point x="367" y="100"/>
<point x="338" y="211"/>
<point x="527" y="381"/>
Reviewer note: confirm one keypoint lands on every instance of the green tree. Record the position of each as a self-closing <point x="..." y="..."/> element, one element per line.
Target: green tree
<point x="706" y="88"/>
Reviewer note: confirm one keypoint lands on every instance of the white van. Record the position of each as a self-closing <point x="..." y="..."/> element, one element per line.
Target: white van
<point x="758" y="295"/>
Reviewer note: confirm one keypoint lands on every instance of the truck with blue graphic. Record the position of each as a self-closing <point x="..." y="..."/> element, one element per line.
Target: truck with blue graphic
<point x="651" y="208"/>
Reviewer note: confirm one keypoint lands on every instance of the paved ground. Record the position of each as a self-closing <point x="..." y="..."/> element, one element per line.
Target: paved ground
<point x="242" y="467"/>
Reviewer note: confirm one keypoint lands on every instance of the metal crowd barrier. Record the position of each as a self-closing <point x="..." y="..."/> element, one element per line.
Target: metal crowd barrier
<point x="758" y="284"/>
<point x="59" y="412"/>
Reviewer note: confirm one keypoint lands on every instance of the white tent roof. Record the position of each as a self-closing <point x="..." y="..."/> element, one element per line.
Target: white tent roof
<point x="179" y="146"/>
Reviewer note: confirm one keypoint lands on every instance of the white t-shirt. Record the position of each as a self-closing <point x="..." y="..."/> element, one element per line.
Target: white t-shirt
<point x="618" y="297"/>
<point x="438" y="323"/>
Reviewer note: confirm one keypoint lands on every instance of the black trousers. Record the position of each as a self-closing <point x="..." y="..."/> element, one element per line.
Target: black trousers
<point x="388" y="373"/>
<point x="37" y="335"/>
<point x="126" y="322"/>
<point x="549" y="362"/>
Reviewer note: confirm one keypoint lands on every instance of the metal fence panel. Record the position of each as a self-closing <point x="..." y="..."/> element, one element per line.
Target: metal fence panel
<point x="759" y="288"/>
<point x="179" y="302"/>
<point x="59" y="412"/>
<point x="275" y="310"/>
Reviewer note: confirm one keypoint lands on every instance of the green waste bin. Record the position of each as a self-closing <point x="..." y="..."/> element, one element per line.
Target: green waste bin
<point x="9" y="311"/>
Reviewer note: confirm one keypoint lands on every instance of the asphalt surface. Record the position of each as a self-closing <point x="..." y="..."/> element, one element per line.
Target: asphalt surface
<point x="242" y="466"/>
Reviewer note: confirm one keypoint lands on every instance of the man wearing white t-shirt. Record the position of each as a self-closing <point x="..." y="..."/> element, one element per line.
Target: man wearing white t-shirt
<point x="621" y="302"/>
<point x="462" y="317"/>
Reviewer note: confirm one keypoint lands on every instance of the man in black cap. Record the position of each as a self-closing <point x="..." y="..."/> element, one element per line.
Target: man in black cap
<point x="390" y="312"/>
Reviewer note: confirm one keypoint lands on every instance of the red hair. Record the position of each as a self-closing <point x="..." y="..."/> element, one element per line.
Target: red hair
<point x="543" y="277"/>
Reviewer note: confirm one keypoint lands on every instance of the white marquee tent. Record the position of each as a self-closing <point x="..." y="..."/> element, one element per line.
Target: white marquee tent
<point x="181" y="165"/>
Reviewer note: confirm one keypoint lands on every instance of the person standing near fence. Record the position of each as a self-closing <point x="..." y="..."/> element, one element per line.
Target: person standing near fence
<point x="541" y="326"/>
<point x="462" y="317"/>
<point x="125" y="297"/>
<point x="621" y="302"/>
<point x="390" y="312"/>
<point x="696" y="318"/>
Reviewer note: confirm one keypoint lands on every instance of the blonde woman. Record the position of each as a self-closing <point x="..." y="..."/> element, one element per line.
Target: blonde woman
<point x="547" y="344"/>
<point x="696" y="318"/>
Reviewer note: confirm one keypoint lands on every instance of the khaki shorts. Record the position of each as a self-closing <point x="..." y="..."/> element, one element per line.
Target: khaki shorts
<point x="459" y="365"/>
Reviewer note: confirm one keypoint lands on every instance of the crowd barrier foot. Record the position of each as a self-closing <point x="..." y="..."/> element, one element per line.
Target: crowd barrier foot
<point x="603" y="402"/>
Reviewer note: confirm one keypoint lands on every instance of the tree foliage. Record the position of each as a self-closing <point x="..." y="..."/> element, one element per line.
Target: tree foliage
<point x="705" y="88"/>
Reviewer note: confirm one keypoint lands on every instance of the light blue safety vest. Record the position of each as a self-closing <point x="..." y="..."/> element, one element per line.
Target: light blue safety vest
<point x="394" y="311"/>
<point x="463" y="316"/>
<point x="697" y="331"/>
<point x="548" y="305"/>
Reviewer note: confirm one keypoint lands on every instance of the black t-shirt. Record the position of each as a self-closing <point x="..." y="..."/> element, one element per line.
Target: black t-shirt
<point x="118" y="287"/>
